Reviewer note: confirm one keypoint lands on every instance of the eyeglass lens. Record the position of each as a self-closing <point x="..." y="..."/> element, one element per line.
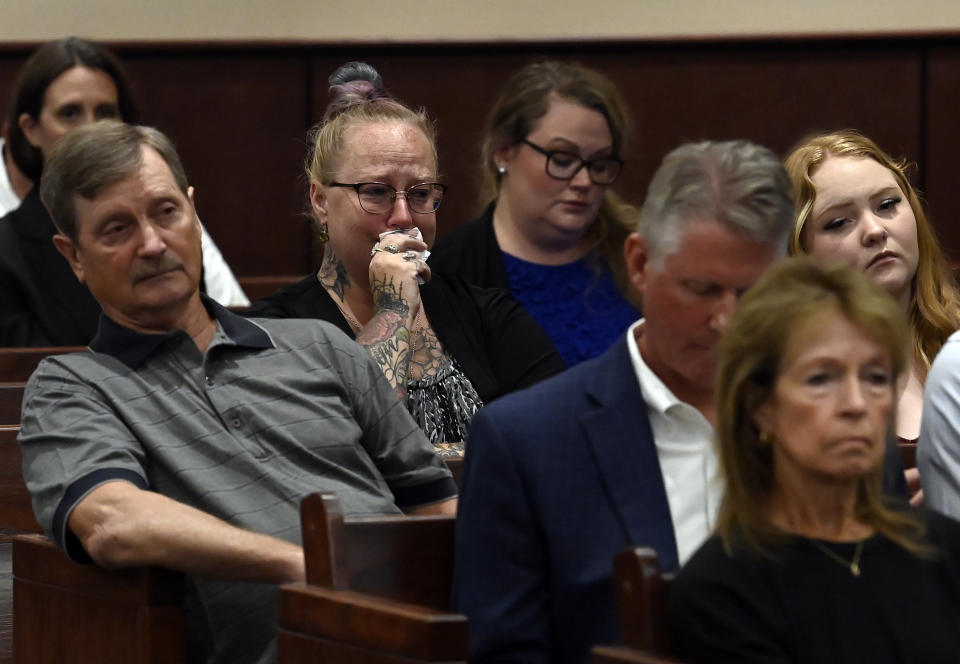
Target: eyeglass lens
<point x="564" y="165"/>
<point x="379" y="198"/>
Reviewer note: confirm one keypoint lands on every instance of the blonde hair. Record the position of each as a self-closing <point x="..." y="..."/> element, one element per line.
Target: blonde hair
<point x="934" y="310"/>
<point x="526" y="99"/>
<point x="786" y="299"/>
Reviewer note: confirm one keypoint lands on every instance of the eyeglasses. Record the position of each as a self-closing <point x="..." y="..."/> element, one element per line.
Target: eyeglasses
<point x="378" y="198"/>
<point x="563" y="165"/>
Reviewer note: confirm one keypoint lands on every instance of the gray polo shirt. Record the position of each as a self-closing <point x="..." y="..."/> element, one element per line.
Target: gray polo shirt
<point x="274" y="410"/>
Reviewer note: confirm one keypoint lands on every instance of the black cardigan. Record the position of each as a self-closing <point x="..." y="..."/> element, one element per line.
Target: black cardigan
<point x="41" y="301"/>
<point x="499" y="346"/>
<point x="472" y="252"/>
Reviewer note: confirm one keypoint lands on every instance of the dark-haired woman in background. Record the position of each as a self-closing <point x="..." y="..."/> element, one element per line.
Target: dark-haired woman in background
<point x="63" y="85"/>
<point x="810" y="563"/>
<point x="446" y="347"/>
<point x="553" y="230"/>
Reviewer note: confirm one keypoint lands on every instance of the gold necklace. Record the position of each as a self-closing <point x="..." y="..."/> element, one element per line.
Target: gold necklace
<point x="853" y="565"/>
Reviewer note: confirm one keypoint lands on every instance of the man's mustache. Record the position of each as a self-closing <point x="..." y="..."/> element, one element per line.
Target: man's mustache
<point x="156" y="266"/>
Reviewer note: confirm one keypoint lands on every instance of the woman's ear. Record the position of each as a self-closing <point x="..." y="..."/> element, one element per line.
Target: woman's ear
<point x="762" y="414"/>
<point x="29" y="127"/>
<point x="502" y="157"/>
<point x="318" y="200"/>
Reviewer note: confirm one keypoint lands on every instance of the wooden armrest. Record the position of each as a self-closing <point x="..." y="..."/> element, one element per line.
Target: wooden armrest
<point x="87" y="615"/>
<point x="373" y="622"/>
<point x="624" y="655"/>
<point x="37" y="559"/>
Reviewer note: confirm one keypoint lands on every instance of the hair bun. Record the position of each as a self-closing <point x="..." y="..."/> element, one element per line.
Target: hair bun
<point x="351" y="72"/>
<point x="353" y="83"/>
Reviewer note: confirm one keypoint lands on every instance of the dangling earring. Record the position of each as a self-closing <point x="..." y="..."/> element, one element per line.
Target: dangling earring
<point x="323" y="234"/>
<point x="501" y="169"/>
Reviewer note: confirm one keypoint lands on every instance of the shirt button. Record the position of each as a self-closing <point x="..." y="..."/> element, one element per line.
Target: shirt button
<point x="209" y="380"/>
<point x="236" y="423"/>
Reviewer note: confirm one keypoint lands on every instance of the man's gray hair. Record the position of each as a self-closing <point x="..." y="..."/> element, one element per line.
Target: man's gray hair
<point x="92" y="158"/>
<point x="739" y="184"/>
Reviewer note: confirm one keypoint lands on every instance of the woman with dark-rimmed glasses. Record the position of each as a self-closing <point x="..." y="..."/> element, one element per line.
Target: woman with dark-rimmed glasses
<point x="446" y="347"/>
<point x="553" y="230"/>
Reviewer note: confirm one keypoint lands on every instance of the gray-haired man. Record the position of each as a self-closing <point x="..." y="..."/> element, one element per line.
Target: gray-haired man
<point x="617" y="451"/>
<point x="186" y="436"/>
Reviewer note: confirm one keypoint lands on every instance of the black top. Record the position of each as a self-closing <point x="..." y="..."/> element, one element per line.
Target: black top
<point x="803" y="606"/>
<point x="41" y="301"/>
<point x="472" y="252"/>
<point x="498" y="345"/>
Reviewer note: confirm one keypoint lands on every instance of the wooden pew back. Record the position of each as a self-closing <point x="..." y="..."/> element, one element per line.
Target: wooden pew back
<point x="16" y="511"/>
<point x="16" y="516"/>
<point x="377" y="590"/>
<point x="16" y="364"/>
<point x="83" y="614"/>
<point x="11" y="401"/>
<point x="642" y="589"/>
<point x="409" y="559"/>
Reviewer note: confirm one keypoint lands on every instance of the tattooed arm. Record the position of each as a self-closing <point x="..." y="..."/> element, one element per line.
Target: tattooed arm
<point x="395" y="295"/>
<point x="387" y="337"/>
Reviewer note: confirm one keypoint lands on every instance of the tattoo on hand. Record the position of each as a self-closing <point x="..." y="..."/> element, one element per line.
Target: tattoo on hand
<point x="388" y="296"/>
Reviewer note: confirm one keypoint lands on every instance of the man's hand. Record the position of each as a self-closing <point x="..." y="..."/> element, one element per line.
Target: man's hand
<point x="446" y="507"/>
<point x="913" y="486"/>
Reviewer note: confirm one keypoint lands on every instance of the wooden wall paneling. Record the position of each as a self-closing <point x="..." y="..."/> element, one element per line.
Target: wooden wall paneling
<point x="943" y="145"/>
<point x="771" y="93"/>
<point x="238" y="120"/>
<point x="767" y="93"/>
<point x="9" y="67"/>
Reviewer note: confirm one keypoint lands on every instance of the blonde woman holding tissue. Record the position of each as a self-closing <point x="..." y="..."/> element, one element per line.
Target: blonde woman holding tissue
<point x="445" y="346"/>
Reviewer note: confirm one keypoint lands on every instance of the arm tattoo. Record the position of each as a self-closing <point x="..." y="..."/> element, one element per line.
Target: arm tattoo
<point x="387" y="336"/>
<point x="333" y="275"/>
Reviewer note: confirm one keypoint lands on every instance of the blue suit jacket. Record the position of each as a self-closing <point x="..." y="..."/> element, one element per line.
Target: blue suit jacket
<point x="557" y="479"/>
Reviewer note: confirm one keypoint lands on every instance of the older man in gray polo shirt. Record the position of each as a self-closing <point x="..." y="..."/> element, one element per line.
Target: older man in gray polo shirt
<point x="186" y="436"/>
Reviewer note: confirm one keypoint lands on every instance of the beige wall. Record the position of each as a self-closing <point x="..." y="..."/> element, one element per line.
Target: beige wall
<point x="32" y="20"/>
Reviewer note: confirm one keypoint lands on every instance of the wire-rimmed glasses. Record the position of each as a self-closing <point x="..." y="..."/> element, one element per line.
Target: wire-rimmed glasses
<point x="378" y="197"/>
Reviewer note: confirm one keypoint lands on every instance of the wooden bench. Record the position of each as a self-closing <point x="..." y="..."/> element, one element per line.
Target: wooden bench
<point x="258" y="288"/>
<point x="11" y="401"/>
<point x="83" y="614"/>
<point x="16" y="516"/>
<point x="377" y="590"/>
<point x="17" y="364"/>
<point x="16" y="511"/>
<point x="641" y="588"/>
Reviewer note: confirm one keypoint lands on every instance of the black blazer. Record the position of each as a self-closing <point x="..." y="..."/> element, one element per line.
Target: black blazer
<point x="41" y="301"/>
<point x="472" y="252"/>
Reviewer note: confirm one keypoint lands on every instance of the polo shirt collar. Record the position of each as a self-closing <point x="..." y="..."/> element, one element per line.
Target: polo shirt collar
<point x="133" y="348"/>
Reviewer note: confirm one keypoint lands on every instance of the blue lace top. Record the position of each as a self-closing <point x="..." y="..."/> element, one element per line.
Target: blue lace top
<point x="577" y="305"/>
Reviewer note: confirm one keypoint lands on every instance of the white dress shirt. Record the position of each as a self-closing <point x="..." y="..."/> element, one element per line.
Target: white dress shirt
<point x="688" y="457"/>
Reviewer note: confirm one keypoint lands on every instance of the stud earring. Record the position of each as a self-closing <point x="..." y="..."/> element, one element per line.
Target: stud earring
<point x="766" y="438"/>
<point x="501" y="169"/>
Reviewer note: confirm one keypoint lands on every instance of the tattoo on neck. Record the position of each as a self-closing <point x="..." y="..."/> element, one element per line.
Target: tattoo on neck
<point x="333" y="274"/>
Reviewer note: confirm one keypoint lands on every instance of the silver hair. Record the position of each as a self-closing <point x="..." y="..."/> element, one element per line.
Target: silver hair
<point x="739" y="184"/>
